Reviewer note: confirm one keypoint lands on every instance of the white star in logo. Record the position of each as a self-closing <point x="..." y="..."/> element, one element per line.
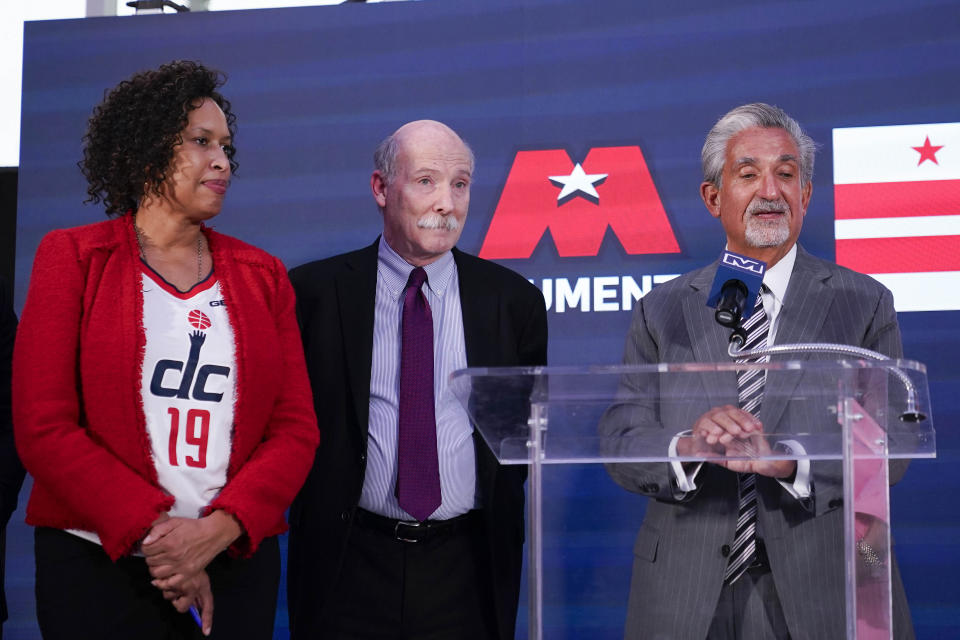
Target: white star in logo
<point x="578" y="181"/>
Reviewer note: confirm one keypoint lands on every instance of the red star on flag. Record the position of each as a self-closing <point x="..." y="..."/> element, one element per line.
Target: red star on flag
<point x="927" y="152"/>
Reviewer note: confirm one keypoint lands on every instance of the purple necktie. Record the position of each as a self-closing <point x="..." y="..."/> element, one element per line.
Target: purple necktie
<point x="418" y="471"/>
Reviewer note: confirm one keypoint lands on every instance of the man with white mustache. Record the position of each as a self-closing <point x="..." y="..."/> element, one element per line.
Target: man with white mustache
<point x="689" y="582"/>
<point x="367" y="560"/>
<point x="437" y="221"/>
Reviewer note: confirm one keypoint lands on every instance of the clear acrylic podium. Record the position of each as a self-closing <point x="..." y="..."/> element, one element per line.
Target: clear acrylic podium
<point x="856" y="423"/>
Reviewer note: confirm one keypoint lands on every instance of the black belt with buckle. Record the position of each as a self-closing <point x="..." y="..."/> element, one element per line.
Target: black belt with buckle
<point x="413" y="531"/>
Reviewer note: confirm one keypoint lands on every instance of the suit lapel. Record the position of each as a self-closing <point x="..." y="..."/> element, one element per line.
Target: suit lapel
<point x="801" y="321"/>
<point x="708" y="339"/>
<point x="356" y="290"/>
<point x="479" y="307"/>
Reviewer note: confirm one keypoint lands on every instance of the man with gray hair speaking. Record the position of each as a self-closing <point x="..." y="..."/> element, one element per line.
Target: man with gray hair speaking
<point x="407" y="527"/>
<point x="748" y="549"/>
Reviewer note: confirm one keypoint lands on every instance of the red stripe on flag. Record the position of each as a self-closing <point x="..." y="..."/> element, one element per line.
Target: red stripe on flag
<point x="900" y="255"/>
<point x="895" y="199"/>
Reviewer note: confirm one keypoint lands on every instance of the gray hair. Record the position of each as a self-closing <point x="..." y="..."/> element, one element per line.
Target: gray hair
<point x="385" y="156"/>
<point x="757" y="114"/>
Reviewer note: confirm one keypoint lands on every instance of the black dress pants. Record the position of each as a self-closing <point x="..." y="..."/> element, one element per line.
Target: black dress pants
<point x="434" y="589"/>
<point x="81" y="593"/>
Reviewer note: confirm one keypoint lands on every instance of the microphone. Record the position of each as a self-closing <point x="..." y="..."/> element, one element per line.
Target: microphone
<point x="735" y="288"/>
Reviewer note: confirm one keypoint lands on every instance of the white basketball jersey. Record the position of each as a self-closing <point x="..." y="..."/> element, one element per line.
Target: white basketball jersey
<point x="189" y="389"/>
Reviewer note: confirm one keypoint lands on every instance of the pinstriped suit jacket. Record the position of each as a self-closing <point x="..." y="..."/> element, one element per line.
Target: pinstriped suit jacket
<point x="679" y="554"/>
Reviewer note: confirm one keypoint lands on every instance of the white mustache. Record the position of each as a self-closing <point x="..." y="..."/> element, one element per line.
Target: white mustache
<point x="768" y="206"/>
<point x="436" y="221"/>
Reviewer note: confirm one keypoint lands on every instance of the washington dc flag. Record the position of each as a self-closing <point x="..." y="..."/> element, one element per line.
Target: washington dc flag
<point x="897" y="203"/>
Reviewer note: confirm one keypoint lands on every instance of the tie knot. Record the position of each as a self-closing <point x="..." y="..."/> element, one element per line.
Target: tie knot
<point x="417" y="277"/>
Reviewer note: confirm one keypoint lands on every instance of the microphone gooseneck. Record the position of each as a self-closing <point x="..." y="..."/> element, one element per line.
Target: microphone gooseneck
<point x="911" y="414"/>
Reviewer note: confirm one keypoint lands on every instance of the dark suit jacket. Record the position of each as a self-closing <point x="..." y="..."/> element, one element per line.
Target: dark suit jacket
<point x="11" y="471"/>
<point x="678" y="555"/>
<point x="504" y="323"/>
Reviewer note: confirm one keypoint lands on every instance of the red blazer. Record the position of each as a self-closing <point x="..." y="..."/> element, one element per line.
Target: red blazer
<point x="78" y="415"/>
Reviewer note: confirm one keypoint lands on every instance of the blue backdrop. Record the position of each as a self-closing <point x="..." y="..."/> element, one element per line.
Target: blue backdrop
<point x="315" y="89"/>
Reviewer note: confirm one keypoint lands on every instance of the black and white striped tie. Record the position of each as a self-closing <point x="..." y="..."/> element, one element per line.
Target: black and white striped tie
<point x="750" y="389"/>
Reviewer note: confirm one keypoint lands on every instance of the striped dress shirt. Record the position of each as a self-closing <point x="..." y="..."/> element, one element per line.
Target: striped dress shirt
<point x="455" y="448"/>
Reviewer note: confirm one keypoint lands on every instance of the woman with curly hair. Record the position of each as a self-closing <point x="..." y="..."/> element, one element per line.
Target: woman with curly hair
<point x="161" y="400"/>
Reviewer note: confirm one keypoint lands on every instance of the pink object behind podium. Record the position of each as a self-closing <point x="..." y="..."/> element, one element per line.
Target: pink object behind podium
<point x="872" y="529"/>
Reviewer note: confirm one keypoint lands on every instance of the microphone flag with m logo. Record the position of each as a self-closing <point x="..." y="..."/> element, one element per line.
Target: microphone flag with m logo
<point x="897" y="210"/>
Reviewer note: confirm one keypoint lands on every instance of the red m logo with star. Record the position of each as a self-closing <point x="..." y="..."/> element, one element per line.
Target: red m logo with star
<point x="576" y="202"/>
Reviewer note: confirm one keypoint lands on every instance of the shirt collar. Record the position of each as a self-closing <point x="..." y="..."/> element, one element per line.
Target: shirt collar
<point x="777" y="277"/>
<point x="395" y="271"/>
